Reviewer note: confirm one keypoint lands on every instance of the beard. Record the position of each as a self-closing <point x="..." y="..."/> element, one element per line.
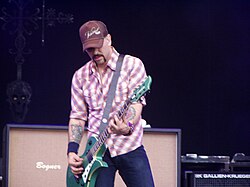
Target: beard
<point x="99" y="59"/>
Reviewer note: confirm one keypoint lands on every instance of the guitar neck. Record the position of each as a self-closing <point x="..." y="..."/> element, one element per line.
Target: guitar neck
<point x="123" y="109"/>
<point x="104" y="135"/>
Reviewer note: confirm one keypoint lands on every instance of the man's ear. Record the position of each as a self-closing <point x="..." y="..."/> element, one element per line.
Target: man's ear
<point x="109" y="39"/>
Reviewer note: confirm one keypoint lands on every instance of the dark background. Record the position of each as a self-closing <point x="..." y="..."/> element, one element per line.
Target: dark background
<point x="196" y="51"/>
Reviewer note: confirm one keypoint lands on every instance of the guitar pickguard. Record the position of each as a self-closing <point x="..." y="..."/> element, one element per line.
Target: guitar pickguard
<point x="86" y="171"/>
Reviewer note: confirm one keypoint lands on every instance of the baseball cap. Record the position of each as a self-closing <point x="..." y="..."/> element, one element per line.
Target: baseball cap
<point x="92" y="34"/>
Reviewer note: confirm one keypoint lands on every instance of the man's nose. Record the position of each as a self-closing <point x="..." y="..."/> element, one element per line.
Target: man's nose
<point x="95" y="51"/>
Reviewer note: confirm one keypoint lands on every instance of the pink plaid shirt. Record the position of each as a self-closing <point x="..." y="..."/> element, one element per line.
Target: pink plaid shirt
<point x="88" y="98"/>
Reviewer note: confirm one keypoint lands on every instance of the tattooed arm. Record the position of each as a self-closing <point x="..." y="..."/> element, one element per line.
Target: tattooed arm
<point x="134" y="113"/>
<point x="76" y="129"/>
<point x="75" y="133"/>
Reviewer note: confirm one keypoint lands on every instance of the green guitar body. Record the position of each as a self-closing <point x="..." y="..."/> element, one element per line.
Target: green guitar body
<point x="91" y="166"/>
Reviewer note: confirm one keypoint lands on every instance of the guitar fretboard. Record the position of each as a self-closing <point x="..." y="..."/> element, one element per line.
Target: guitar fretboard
<point x="104" y="135"/>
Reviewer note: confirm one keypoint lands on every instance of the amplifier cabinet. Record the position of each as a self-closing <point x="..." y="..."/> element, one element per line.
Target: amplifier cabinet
<point x="35" y="155"/>
<point x="218" y="179"/>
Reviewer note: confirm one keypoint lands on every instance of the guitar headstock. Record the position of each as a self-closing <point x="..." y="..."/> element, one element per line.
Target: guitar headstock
<point x="141" y="90"/>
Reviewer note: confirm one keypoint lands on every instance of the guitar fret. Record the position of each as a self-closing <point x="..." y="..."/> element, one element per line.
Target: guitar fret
<point x="119" y="114"/>
<point x="124" y="108"/>
<point x="97" y="145"/>
<point x="101" y="139"/>
<point x="106" y="133"/>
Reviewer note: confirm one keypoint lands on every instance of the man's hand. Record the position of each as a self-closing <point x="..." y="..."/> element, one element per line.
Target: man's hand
<point x="75" y="164"/>
<point x="117" y="126"/>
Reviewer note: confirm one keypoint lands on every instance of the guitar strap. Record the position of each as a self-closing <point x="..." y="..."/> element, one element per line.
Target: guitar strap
<point x="111" y="93"/>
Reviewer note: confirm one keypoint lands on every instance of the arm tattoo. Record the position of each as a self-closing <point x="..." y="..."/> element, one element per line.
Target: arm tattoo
<point x="76" y="133"/>
<point x="130" y="115"/>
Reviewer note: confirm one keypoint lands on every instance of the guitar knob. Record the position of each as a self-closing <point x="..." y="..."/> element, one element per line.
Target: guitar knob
<point x="77" y="180"/>
<point x="90" y="142"/>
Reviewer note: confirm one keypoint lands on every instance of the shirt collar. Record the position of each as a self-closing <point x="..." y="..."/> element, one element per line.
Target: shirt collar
<point x="112" y="62"/>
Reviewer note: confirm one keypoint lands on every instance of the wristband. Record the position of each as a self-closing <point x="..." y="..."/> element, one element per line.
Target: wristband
<point x="131" y="129"/>
<point x="73" y="147"/>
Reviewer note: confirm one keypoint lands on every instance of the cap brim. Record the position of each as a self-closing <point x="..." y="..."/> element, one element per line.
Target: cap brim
<point x="94" y="43"/>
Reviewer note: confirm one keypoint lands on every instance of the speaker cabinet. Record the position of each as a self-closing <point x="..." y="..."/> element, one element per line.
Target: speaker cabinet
<point x="35" y="155"/>
<point x="218" y="179"/>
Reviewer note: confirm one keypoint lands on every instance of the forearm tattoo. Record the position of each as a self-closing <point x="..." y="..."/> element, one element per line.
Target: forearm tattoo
<point x="76" y="135"/>
<point x="130" y="115"/>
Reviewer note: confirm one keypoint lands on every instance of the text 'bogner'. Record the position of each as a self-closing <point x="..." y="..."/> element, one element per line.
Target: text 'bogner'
<point x="46" y="167"/>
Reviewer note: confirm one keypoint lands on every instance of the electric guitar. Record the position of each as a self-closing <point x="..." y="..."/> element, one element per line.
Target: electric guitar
<point x="96" y="147"/>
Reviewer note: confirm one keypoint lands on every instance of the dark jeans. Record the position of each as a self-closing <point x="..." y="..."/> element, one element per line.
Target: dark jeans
<point x="133" y="167"/>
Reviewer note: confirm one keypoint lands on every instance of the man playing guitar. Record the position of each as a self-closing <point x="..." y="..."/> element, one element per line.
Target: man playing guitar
<point x="90" y="85"/>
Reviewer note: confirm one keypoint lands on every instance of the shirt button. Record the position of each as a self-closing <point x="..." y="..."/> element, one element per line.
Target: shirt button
<point x="104" y="120"/>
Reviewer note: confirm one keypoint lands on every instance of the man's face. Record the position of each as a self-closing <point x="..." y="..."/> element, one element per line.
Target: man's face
<point x="101" y="55"/>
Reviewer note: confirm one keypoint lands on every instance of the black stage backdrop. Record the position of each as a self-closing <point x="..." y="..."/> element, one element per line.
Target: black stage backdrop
<point x="196" y="51"/>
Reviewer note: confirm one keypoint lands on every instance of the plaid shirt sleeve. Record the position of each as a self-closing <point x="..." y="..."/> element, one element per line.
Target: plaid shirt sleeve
<point x="137" y="75"/>
<point x="78" y="105"/>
